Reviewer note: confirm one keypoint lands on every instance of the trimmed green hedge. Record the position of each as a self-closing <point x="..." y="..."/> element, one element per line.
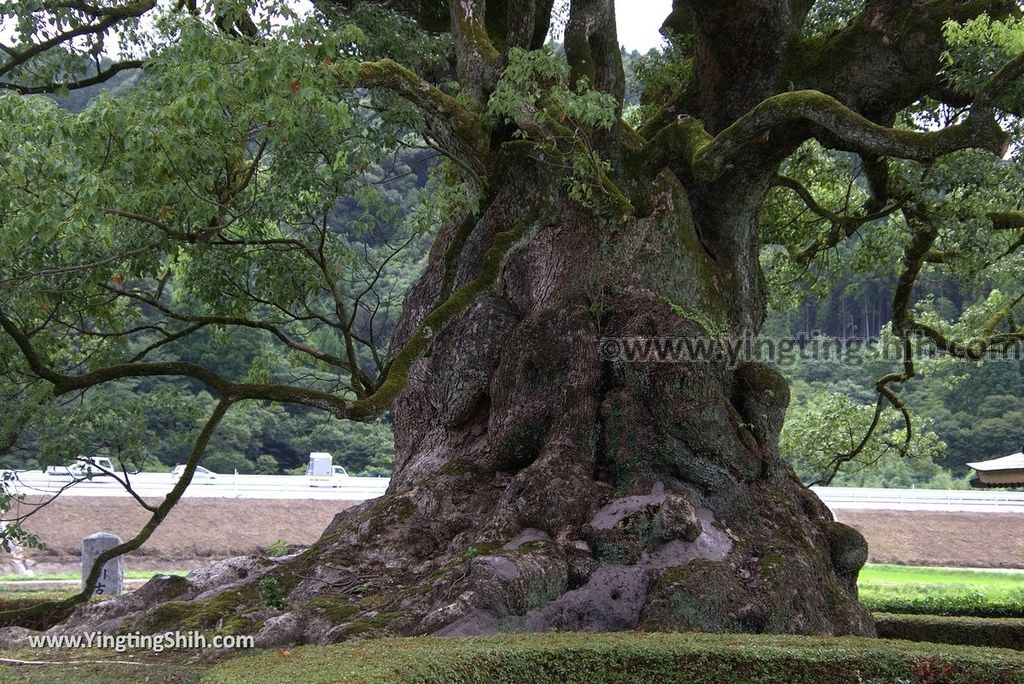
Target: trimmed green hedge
<point x="968" y="604"/>
<point x="627" y="658"/>
<point x="968" y="631"/>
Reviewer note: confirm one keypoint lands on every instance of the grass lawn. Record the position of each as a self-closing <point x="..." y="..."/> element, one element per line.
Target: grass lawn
<point x="876" y="581"/>
<point x="99" y="666"/>
<point x="951" y="591"/>
<point x="129" y="574"/>
<point x="881" y="576"/>
<point x="880" y="585"/>
<point x="36" y="596"/>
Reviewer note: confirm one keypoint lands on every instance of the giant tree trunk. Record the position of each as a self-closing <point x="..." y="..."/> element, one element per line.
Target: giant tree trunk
<point x="542" y="482"/>
<point x="540" y="486"/>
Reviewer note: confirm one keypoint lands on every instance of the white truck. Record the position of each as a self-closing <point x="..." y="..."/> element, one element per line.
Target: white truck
<point x="83" y="468"/>
<point x="322" y="472"/>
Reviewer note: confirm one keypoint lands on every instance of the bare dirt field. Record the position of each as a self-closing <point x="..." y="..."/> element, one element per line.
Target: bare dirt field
<point x="979" y="540"/>
<point x="195" y="532"/>
<point x="200" y="530"/>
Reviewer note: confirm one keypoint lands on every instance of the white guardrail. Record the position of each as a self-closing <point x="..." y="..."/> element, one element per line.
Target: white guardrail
<point x="977" y="500"/>
<point x="37" y="483"/>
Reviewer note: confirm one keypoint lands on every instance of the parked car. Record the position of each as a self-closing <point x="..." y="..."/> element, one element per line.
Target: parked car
<point x="200" y="476"/>
<point x="84" y="468"/>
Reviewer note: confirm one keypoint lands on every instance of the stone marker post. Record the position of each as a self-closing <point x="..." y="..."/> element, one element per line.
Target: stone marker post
<point x="111" y="581"/>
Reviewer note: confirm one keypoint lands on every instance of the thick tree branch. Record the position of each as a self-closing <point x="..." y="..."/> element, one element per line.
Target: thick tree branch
<point x="476" y="58"/>
<point x="1006" y="220"/>
<point x="111" y="17"/>
<point x="923" y="239"/>
<point x="888" y="57"/>
<point x="708" y="157"/>
<point x="592" y="47"/>
<point x="101" y="76"/>
<point x="129" y="10"/>
<point x="842" y="219"/>
<point x="457" y="130"/>
<point x="525" y="23"/>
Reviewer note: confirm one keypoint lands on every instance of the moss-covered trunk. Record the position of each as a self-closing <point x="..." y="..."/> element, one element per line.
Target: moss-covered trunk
<point x="541" y="484"/>
<point x="543" y="481"/>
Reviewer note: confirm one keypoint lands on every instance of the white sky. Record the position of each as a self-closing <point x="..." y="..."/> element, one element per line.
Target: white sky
<point x="638" y="22"/>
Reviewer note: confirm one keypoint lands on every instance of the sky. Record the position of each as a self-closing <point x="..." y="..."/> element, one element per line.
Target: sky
<point x="638" y="22"/>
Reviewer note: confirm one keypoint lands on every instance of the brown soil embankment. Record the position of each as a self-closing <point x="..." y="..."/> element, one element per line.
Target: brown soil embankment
<point x="199" y="530"/>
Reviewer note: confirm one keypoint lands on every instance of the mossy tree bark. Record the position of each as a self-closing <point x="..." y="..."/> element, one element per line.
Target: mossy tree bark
<point x="540" y="485"/>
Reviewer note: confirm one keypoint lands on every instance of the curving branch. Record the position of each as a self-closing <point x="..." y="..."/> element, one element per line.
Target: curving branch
<point x="843" y="225"/>
<point x="973" y="350"/>
<point x="76" y="268"/>
<point x="107" y="19"/>
<point x="393" y="379"/>
<point x="274" y="329"/>
<point x="457" y="130"/>
<point x="101" y="76"/>
<point x="708" y="157"/>
<point x="886" y="396"/>
<point x="919" y="251"/>
<point x="96" y="11"/>
<point x="159" y="513"/>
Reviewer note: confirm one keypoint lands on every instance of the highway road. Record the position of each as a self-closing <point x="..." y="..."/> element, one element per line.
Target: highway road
<point x="156" y="485"/>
